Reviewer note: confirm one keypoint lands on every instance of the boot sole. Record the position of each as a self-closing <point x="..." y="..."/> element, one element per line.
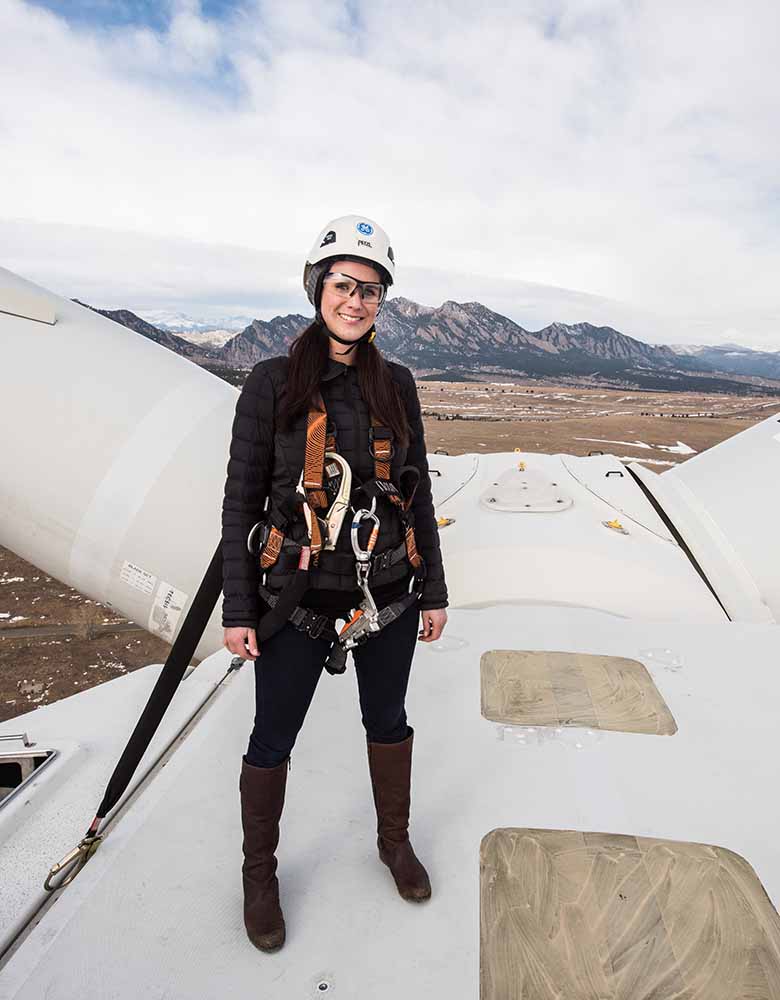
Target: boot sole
<point x="271" y="947"/>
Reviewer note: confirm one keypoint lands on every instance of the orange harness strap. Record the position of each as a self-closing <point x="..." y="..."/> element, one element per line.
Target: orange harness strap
<point x="272" y="548"/>
<point x="318" y="441"/>
<point x="382" y="451"/>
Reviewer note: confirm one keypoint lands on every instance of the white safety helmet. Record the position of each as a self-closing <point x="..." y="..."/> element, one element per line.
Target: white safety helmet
<point x="352" y="237"/>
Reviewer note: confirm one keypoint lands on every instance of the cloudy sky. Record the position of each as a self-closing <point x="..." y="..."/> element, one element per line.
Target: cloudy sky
<point x="614" y="161"/>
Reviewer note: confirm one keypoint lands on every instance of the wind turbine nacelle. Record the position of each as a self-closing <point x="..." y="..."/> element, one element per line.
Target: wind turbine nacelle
<point x="114" y="455"/>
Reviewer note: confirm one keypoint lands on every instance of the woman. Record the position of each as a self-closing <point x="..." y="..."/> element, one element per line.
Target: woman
<point x="374" y="423"/>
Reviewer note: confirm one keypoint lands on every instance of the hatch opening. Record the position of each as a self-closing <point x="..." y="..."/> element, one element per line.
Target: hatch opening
<point x="17" y="768"/>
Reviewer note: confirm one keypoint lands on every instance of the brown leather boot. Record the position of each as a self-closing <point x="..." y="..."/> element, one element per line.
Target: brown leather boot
<point x="262" y="798"/>
<point x="390" y="766"/>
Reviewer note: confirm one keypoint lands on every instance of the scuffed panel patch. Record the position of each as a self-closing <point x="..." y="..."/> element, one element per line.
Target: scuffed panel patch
<point x="597" y="916"/>
<point x="527" y="688"/>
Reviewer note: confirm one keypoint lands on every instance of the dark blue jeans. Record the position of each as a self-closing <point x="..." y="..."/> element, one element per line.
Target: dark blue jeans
<point x="289" y="667"/>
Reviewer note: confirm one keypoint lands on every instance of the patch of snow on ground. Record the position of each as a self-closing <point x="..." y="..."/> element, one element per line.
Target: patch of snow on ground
<point x="12" y="579"/>
<point x="629" y="444"/>
<point x="677" y="449"/>
<point x="644" y="461"/>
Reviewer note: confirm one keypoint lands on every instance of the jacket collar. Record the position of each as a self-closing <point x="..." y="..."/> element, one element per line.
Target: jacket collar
<point x="334" y="369"/>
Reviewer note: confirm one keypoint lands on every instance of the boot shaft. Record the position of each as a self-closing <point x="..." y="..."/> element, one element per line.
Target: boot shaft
<point x="262" y="791"/>
<point x="390" y="767"/>
<point x="262" y="800"/>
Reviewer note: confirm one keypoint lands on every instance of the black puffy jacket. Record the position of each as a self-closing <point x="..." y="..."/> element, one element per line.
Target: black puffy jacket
<point x="264" y="460"/>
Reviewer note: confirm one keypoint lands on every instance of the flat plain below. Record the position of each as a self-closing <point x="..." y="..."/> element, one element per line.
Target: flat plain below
<point x="55" y="642"/>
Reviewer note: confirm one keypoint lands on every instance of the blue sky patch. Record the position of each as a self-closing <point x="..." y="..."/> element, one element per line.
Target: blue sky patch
<point x="118" y="13"/>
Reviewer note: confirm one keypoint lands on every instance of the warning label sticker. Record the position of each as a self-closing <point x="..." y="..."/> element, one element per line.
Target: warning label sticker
<point x="166" y="610"/>
<point x="136" y="577"/>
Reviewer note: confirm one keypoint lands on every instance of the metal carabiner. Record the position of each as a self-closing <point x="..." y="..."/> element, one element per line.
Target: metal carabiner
<point x="364" y="555"/>
<point x="250" y="538"/>
<point x="72" y="863"/>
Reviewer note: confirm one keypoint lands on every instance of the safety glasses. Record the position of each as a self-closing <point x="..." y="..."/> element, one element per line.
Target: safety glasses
<point x="344" y="285"/>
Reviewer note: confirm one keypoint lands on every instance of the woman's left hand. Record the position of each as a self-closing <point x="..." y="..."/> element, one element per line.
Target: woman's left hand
<point x="432" y="624"/>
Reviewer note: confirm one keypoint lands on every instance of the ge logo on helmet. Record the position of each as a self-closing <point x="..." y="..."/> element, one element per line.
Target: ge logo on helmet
<point x="365" y="228"/>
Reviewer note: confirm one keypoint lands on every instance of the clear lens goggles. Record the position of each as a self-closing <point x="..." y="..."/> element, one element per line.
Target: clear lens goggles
<point x="344" y="285"/>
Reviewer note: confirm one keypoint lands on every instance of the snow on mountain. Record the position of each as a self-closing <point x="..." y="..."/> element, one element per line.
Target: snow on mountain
<point x="205" y="338"/>
<point x="213" y="331"/>
<point x="167" y="319"/>
<point x="687" y="350"/>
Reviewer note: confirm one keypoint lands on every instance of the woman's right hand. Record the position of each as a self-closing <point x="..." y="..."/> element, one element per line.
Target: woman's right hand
<point x="242" y="642"/>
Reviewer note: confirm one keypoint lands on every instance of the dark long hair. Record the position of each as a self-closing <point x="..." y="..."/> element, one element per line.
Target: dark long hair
<point x="308" y="362"/>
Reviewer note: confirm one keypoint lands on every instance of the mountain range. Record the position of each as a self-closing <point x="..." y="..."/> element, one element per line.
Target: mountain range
<point x="465" y="340"/>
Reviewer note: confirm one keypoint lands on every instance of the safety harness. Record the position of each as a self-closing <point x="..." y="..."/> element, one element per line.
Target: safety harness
<point x="312" y="500"/>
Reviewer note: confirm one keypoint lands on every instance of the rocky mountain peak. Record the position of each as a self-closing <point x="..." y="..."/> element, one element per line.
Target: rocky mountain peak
<point x="461" y="339"/>
<point x="406" y="307"/>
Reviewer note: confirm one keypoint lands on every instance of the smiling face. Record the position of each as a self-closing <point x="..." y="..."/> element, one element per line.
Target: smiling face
<point x="349" y="318"/>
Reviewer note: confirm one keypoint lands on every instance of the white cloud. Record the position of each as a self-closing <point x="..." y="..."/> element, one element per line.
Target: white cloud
<point x="626" y="150"/>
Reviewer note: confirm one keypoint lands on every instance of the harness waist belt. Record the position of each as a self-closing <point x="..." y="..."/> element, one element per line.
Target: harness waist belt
<point x="341" y="563"/>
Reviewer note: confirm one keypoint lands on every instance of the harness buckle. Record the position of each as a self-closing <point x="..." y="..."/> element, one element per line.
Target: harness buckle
<point x="382" y="561"/>
<point x="380" y="434"/>
<point x="317" y="627"/>
<point x="305" y="620"/>
<point x="297" y="617"/>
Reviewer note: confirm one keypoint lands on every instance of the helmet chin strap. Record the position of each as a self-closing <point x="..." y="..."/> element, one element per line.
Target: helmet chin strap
<point x="368" y="335"/>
